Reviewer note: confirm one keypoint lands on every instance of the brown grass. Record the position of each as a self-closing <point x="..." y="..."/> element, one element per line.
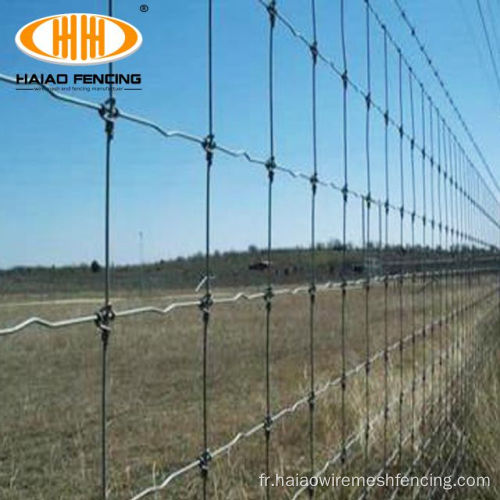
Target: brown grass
<point x="50" y="391"/>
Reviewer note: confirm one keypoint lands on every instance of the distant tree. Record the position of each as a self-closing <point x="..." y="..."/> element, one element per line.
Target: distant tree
<point x="95" y="267"/>
<point x="335" y="244"/>
<point x="252" y="249"/>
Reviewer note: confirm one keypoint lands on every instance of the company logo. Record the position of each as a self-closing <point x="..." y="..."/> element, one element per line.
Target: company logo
<point x="78" y="39"/>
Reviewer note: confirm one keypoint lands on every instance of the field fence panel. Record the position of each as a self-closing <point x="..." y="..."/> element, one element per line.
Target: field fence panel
<point x="369" y="371"/>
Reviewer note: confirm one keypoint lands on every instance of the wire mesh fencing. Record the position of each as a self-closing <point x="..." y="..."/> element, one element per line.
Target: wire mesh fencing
<point x="391" y="351"/>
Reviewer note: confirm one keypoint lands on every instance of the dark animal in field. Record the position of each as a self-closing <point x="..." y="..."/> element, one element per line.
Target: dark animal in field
<point x="261" y="265"/>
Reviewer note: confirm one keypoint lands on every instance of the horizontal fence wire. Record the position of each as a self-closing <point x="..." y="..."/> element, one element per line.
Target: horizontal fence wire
<point x="453" y="225"/>
<point x="318" y="391"/>
<point x="235" y="297"/>
<point x="242" y="153"/>
<point x="421" y="46"/>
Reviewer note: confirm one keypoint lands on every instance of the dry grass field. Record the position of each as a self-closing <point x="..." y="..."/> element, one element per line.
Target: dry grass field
<point x="50" y="389"/>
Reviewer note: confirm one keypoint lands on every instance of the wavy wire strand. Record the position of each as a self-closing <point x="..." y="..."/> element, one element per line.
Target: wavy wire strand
<point x="303" y="401"/>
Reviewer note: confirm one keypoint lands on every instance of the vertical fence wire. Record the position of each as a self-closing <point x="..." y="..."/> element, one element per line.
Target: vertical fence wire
<point x="206" y="301"/>
<point x="432" y="254"/>
<point x="451" y="266"/>
<point x="105" y="314"/>
<point x="414" y="275"/>
<point x="446" y="272"/>
<point x="466" y="288"/>
<point x="345" y="191"/>
<point x="440" y="278"/>
<point x="463" y="266"/>
<point x="401" y="256"/>
<point x="366" y="202"/>
<point x="456" y="255"/>
<point x="312" y="287"/>
<point x="423" y="271"/>
<point x="385" y="246"/>
<point x="463" y="324"/>
<point x="271" y="165"/>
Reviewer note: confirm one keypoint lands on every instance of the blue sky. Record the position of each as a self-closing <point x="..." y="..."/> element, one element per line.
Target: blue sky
<point x="52" y="154"/>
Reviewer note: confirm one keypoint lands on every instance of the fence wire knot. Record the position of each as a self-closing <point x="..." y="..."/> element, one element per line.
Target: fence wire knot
<point x="368" y="200"/>
<point x="203" y="461"/>
<point x="271" y="9"/>
<point x="209" y="146"/>
<point x="268" y="423"/>
<point x="314" y="182"/>
<point x="314" y="51"/>
<point x="345" y="192"/>
<point x="109" y="113"/>
<point x="104" y="317"/>
<point x="271" y="167"/>
<point x="206" y="303"/>
<point x="312" y="400"/>
<point x="345" y="79"/>
<point x="368" y="99"/>
<point x="268" y="297"/>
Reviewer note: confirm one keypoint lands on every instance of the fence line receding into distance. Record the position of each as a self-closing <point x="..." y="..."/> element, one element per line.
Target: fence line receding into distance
<point x="456" y="215"/>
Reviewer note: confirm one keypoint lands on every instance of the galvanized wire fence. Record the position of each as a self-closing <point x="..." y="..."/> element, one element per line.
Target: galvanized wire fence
<point x="451" y="228"/>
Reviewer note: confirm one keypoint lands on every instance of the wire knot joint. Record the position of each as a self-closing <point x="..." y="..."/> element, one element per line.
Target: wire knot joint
<point x="204" y="461"/>
<point x="312" y="292"/>
<point x="268" y="297"/>
<point x="268" y="423"/>
<point x="368" y="100"/>
<point x="206" y="302"/>
<point x="314" y="182"/>
<point x="209" y="146"/>
<point x="314" y="51"/>
<point x="312" y="400"/>
<point x="271" y="9"/>
<point x="345" y="192"/>
<point x="345" y="79"/>
<point x="109" y="113"/>
<point x="104" y="317"/>
<point x="271" y="167"/>
<point x="368" y="199"/>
